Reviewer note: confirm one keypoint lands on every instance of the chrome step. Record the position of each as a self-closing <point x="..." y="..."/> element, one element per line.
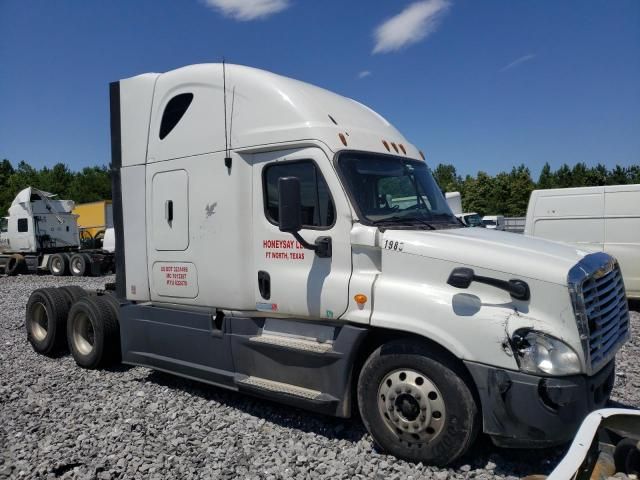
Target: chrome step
<point x="293" y="343"/>
<point x="272" y="386"/>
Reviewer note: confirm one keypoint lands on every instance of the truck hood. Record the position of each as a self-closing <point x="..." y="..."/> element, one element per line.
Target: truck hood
<point x="510" y="253"/>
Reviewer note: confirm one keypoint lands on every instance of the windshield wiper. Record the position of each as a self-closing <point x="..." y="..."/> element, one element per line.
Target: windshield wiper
<point x="403" y="221"/>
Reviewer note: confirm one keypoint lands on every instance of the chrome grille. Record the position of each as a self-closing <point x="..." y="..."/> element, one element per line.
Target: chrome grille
<point x="600" y="305"/>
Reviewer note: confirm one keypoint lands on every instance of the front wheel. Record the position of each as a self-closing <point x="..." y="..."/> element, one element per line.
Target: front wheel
<point x="415" y="403"/>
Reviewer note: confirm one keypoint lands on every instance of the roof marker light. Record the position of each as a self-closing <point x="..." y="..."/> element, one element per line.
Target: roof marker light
<point x="386" y="145"/>
<point x="395" y="147"/>
<point x="343" y="139"/>
<point x="422" y="155"/>
<point x="402" y="148"/>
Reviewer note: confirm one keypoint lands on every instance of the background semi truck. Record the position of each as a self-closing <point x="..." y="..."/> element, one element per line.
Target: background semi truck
<point x="278" y="239"/>
<point x="41" y="235"/>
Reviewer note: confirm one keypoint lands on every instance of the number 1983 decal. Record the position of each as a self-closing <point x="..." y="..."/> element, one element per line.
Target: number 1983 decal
<point x="393" y="245"/>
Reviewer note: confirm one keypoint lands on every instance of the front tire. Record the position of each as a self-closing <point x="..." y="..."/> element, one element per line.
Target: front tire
<point x="415" y="403"/>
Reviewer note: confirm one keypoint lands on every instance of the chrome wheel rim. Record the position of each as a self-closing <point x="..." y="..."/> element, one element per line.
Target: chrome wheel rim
<point x="411" y="406"/>
<point x="56" y="264"/>
<point x="83" y="333"/>
<point x="76" y="265"/>
<point x="39" y="322"/>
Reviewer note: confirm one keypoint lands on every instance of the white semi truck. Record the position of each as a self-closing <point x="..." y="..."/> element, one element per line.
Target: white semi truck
<point x="260" y="249"/>
<point x="41" y="235"/>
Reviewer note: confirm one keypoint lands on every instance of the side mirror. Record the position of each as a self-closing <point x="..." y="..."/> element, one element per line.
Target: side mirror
<point x="289" y="204"/>
<point x="290" y="214"/>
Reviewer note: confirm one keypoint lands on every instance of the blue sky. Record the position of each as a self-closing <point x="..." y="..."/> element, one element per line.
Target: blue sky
<point x="482" y="85"/>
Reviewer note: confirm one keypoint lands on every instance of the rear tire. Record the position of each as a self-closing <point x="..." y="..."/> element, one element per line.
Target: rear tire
<point x="415" y="403"/>
<point x="46" y="319"/>
<point x="114" y="302"/>
<point x="58" y="264"/>
<point x="15" y="265"/>
<point x="78" y="265"/>
<point x="93" y="333"/>
<point x="73" y="293"/>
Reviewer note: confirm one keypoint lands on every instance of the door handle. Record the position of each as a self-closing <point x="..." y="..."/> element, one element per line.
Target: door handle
<point x="264" y="284"/>
<point x="168" y="210"/>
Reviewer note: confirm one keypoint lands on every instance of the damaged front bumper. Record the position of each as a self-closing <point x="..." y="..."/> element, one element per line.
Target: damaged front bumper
<point x="523" y="410"/>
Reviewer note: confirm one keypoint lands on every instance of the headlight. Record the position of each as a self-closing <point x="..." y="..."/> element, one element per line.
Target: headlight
<point x="539" y="353"/>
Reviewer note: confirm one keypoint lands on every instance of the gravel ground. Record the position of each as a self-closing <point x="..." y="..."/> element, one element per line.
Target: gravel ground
<point x="60" y="421"/>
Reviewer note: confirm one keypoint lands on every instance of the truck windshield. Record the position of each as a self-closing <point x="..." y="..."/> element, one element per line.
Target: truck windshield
<point x="389" y="190"/>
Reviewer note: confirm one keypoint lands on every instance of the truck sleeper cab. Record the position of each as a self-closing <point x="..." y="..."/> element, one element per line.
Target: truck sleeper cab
<point x="306" y="254"/>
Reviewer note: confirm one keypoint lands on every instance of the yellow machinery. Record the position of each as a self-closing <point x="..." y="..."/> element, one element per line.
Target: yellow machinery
<point x="93" y="219"/>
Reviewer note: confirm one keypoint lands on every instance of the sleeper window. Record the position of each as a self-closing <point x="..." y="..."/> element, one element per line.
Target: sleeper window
<point x="317" y="206"/>
<point x="23" y="225"/>
<point x="173" y="112"/>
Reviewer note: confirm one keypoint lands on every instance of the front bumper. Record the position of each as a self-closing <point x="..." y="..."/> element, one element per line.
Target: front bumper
<point x="522" y="410"/>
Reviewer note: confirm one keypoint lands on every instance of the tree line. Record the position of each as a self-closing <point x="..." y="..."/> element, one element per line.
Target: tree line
<point x="507" y="193"/>
<point x="87" y="185"/>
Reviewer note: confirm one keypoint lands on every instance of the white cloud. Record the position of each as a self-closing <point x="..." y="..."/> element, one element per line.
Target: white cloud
<point x="245" y="10"/>
<point x="414" y="23"/>
<point x="518" y="61"/>
<point x="364" y="73"/>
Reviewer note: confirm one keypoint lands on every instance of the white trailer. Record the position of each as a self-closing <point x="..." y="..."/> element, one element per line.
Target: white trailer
<point x="41" y="234"/>
<point x="266" y="245"/>
<point x="605" y="218"/>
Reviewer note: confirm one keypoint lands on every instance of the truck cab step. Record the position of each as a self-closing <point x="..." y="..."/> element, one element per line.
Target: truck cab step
<point x="293" y="343"/>
<point x="263" y="384"/>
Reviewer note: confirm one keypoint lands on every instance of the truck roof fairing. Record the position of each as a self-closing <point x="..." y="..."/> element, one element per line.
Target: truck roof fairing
<point x="262" y="109"/>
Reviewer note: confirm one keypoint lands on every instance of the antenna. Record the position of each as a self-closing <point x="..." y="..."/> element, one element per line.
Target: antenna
<point x="227" y="157"/>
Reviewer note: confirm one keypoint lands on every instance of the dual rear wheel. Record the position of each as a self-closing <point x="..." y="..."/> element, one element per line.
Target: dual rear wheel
<point x="78" y="264"/>
<point x="69" y="317"/>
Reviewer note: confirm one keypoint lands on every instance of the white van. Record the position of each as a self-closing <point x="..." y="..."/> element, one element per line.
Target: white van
<point x="596" y="218"/>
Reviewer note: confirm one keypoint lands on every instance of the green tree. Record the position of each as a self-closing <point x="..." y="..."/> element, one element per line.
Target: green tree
<point x="547" y="177"/>
<point x="563" y="176"/>
<point x="447" y="177"/>
<point x="618" y="176"/>
<point x="478" y="193"/>
<point x="91" y="184"/>
<point x="596" y="176"/>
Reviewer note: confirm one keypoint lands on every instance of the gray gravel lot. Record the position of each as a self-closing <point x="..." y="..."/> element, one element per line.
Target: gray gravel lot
<point x="60" y="421"/>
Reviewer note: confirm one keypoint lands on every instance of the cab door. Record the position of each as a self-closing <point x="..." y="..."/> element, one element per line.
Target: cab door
<point x="290" y="279"/>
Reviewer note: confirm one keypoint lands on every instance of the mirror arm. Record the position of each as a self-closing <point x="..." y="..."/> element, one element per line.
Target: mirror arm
<point x="322" y="247"/>
<point x="303" y="242"/>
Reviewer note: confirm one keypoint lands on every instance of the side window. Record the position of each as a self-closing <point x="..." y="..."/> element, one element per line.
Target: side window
<point x="23" y="225"/>
<point x="173" y="112"/>
<point x="3" y="224"/>
<point x="318" y="210"/>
